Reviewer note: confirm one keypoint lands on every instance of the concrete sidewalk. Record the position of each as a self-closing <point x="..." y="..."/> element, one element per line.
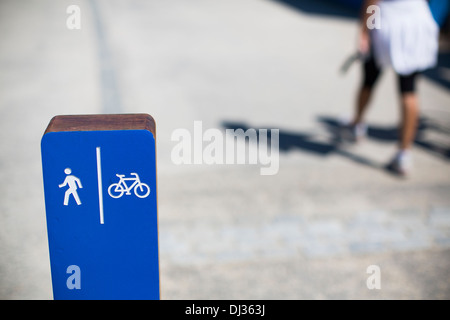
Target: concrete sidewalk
<point x="226" y="232"/>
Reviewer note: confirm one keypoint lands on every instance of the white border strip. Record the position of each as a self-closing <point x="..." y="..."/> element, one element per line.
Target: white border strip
<point x="100" y="189"/>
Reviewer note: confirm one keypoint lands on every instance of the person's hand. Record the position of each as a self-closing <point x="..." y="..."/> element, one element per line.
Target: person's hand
<point x="364" y="42"/>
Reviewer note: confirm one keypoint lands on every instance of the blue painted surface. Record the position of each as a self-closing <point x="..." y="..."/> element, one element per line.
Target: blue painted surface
<point x="440" y="10"/>
<point x="117" y="255"/>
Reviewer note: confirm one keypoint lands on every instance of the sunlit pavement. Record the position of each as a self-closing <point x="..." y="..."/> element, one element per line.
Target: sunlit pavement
<point x="226" y="231"/>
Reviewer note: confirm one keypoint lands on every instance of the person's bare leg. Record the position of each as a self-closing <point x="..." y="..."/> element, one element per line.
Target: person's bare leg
<point x="362" y="101"/>
<point x="410" y="115"/>
<point x="402" y="162"/>
<point x="355" y="129"/>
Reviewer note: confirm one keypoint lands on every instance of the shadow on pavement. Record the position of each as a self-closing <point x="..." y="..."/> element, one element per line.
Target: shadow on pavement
<point x="322" y="7"/>
<point x="333" y="143"/>
<point x="390" y="134"/>
<point x="308" y="142"/>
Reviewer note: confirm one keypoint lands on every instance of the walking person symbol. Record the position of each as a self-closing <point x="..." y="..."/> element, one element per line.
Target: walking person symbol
<point x="72" y="181"/>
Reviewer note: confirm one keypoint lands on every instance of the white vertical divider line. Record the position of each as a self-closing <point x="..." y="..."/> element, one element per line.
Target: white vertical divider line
<point x="100" y="188"/>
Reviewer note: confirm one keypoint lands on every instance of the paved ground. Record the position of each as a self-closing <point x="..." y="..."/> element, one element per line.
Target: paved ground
<point x="309" y="232"/>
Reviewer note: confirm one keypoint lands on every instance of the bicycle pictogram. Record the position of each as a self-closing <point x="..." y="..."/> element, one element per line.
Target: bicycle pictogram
<point x="117" y="190"/>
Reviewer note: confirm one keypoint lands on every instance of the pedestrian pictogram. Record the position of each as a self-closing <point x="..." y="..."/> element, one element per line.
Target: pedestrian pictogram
<point x="74" y="183"/>
<point x="117" y="190"/>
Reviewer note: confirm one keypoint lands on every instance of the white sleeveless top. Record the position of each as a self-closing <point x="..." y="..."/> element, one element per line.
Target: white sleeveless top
<point x="407" y="39"/>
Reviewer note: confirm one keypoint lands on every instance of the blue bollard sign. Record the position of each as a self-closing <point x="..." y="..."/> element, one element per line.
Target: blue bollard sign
<point x="101" y="206"/>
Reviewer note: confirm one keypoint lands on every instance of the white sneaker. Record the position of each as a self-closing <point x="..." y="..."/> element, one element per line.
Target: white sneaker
<point x="402" y="163"/>
<point x="353" y="133"/>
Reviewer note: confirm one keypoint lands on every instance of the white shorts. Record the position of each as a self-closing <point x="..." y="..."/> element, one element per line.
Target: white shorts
<point x="407" y="39"/>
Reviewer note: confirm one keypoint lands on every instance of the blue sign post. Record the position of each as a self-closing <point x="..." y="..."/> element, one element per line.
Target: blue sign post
<point x="101" y="205"/>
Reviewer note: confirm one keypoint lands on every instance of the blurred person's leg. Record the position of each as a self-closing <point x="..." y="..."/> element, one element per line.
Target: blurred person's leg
<point x="362" y="101"/>
<point x="402" y="162"/>
<point x="371" y="72"/>
<point x="410" y="115"/>
<point x="356" y="129"/>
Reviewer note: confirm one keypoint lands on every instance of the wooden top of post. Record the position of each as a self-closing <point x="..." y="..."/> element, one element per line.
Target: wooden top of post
<point x="102" y="122"/>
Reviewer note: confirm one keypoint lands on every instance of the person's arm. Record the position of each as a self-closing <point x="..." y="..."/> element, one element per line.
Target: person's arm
<point x="364" y="38"/>
<point x="79" y="183"/>
<point x="63" y="184"/>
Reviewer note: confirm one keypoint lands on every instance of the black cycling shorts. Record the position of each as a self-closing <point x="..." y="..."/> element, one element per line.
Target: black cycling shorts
<point x="407" y="84"/>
